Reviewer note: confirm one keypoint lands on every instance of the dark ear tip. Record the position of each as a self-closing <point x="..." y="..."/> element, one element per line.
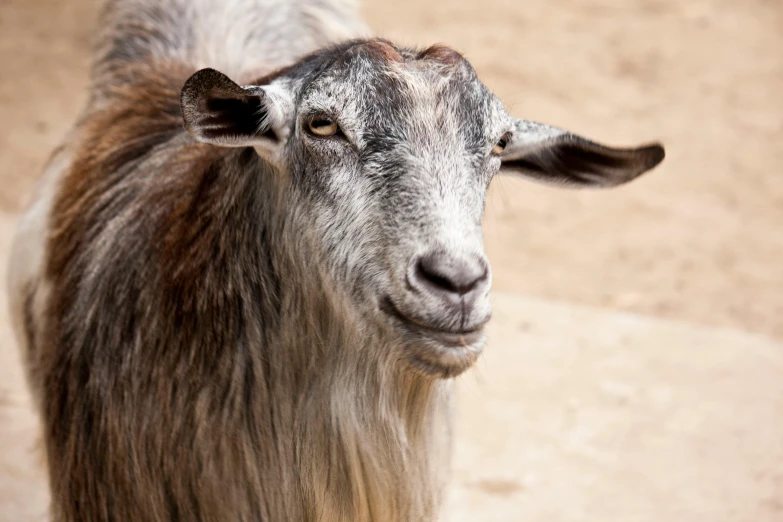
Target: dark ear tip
<point x="652" y="154"/>
<point x="198" y="77"/>
<point x="203" y="81"/>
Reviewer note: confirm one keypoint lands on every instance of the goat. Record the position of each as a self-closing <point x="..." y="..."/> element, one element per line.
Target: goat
<point x="245" y="299"/>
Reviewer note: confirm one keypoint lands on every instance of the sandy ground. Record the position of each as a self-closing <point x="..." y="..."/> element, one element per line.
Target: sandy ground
<point x="635" y="369"/>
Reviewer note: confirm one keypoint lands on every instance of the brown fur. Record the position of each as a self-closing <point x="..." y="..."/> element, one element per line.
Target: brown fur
<point x="441" y="54"/>
<point x="210" y="331"/>
<point x="384" y="50"/>
<point x="142" y="115"/>
<point x="158" y="403"/>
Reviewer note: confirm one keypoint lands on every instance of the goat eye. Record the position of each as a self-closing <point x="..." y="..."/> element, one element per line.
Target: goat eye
<point x="500" y="145"/>
<point x="323" y="126"/>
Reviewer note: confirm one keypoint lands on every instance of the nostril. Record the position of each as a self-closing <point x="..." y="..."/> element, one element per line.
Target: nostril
<point x="429" y="273"/>
<point x="449" y="274"/>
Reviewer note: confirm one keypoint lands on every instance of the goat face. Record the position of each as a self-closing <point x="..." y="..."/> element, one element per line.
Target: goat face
<point x="389" y="153"/>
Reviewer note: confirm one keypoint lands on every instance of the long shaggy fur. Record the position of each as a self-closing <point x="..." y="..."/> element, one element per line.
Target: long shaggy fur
<point x="190" y="358"/>
<point x="244" y="334"/>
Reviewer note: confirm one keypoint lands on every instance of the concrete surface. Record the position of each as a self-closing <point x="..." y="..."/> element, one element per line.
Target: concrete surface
<point x="635" y="368"/>
<point x="583" y="414"/>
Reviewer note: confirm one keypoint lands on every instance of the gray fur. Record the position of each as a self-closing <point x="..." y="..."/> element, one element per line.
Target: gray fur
<point x="226" y="323"/>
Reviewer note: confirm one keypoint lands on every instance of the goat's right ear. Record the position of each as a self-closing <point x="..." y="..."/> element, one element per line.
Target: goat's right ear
<point x="220" y="112"/>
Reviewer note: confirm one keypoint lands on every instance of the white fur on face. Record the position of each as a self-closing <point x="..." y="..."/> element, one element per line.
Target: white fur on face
<point x="409" y="177"/>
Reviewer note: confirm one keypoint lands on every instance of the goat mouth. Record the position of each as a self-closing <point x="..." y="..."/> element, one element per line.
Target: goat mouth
<point x="436" y="351"/>
<point x="450" y="338"/>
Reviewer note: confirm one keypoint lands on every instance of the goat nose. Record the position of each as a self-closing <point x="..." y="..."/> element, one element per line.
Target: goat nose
<point x="450" y="277"/>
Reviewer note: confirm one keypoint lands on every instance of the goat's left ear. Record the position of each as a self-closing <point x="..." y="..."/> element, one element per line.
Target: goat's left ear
<point x="556" y="156"/>
<point x="218" y="111"/>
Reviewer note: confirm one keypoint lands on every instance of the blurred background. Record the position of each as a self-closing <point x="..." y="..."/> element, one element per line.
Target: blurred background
<point x="635" y="367"/>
